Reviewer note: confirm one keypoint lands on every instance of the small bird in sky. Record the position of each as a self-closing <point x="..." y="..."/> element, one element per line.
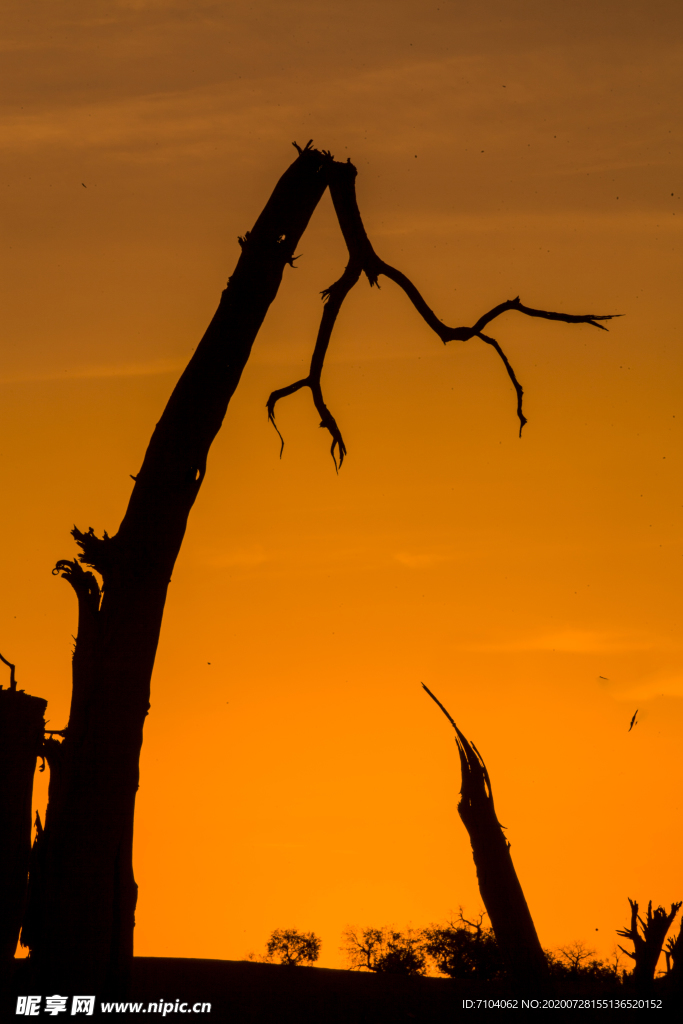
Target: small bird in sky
<point x="633" y="721"/>
<point x="84" y="185"/>
<point x="604" y="677"/>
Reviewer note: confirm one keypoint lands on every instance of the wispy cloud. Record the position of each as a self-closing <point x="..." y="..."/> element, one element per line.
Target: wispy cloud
<point x="583" y="641"/>
<point x="422" y="560"/>
<point x="151" y="368"/>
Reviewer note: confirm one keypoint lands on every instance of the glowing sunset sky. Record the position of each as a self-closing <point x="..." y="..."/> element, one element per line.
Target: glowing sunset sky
<point x="293" y="772"/>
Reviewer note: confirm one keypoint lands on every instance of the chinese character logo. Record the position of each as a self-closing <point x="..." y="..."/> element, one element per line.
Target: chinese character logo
<point x="83" y="1004"/>
<point x="55" y="1005"/>
<point x="28" y="1006"/>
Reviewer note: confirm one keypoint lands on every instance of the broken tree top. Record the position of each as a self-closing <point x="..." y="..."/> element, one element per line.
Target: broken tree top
<point x="340" y="177"/>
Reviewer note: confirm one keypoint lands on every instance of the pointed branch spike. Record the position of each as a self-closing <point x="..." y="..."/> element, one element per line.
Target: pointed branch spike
<point x="11" y="667"/>
<point x="437" y="701"/>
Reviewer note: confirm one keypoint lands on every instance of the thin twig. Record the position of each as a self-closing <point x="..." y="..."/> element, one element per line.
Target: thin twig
<point x="333" y="297"/>
<point x="511" y="374"/>
<point x="437" y="701"/>
<point x="11" y="667"/>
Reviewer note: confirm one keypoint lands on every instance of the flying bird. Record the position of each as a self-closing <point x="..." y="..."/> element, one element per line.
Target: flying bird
<point x="633" y="721"/>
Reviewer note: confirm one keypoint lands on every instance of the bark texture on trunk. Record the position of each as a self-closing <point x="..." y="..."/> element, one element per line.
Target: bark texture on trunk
<point x="499" y="886"/>
<point x="83" y="906"/>
<point x="21" y="737"/>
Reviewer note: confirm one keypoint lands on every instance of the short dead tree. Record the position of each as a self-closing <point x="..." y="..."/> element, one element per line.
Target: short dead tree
<point x="499" y="885"/>
<point x="674" y="963"/>
<point x="647" y="946"/>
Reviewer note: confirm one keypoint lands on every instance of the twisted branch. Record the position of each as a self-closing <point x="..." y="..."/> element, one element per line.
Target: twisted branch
<point x="333" y="297"/>
<point x="363" y="258"/>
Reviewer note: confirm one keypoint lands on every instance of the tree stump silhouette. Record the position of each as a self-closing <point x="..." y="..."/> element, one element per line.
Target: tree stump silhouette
<point x="647" y="947"/>
<point x="499" y="885"/>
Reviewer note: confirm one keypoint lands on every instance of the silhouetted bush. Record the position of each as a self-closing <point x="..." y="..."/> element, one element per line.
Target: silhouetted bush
<point x="464" y="950"/>
<point x="385" y="951"/>
<point x="291" y="947"/>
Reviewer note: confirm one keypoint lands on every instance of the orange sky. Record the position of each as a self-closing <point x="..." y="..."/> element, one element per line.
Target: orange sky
<point x="293" y="772"/>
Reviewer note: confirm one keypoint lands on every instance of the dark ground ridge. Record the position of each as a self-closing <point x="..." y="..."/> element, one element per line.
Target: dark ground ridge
<point x="243" y="992"/>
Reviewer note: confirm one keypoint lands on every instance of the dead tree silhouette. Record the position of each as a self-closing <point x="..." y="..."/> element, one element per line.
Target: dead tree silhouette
<point x="21" y="735"/>
<point x="648" y="946"/>
<point x="82" y="912"/>
<point x="499" y="886"/>
<point x="674" y="963"/>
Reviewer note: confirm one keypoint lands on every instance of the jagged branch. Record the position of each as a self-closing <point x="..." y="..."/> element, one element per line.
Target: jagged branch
<point x="333" y="297"/>
<point x="674" y="953"/>
<point x="477" y="925"/>
<point x="363" y="258"/>
<point x="648" y="946"/>
<point x="95" y="551"/>
<point x="84" y="583"/>
<point x="306" y="149"/>
<point x="11" y="667"/>
<point x="632" y="933"/>
<point x="476" y="785"/>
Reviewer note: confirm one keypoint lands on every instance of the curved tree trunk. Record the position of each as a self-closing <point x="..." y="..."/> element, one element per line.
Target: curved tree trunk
<point x="82" y="915"/>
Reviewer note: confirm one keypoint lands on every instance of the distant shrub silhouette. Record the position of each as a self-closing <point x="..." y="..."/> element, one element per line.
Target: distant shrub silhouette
<point x="575" y="956"/>
<point x="385" y="951"/>
<point x="291" y="947"/>
<point x="463" y="949"/>
<point x="577" y="961"/>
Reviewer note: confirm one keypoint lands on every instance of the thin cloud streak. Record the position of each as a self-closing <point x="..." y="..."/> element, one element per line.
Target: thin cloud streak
<point x="196" y="121"/>
<point x="157" y="368"/>
<point x="578" y="641"/>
